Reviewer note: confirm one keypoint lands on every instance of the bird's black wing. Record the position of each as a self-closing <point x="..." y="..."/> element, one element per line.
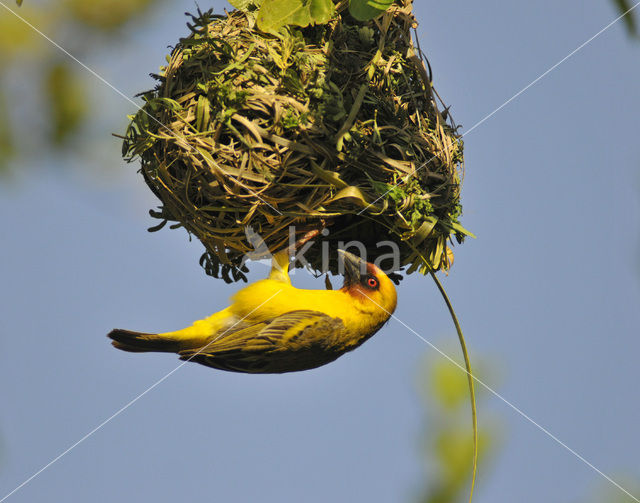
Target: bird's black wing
<point x="297" y="340"/>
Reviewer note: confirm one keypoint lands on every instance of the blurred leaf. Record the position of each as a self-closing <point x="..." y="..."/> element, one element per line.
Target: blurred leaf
<point x="452" y="448"/>
<point x="448" y="433"/>
<point x="6" y="137"/>
<point x="274" y="14"/>
<point x="52" y="104"/>
<point x="106" y="15"/>
<point x="608" y="493"/>
<point x="629" y="19"/>
<point x="67" y="100"/>
<point x="364" y="10"/>
<point x="16" y="37"/>
<point x="448" y="384"/>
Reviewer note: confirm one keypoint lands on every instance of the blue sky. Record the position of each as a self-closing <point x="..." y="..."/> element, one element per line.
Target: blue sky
<point x="549" y="291"/>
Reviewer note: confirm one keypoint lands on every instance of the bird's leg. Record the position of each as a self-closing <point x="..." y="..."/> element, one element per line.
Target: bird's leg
<point x="282" y="260"/>
<point x="304" y="239"/>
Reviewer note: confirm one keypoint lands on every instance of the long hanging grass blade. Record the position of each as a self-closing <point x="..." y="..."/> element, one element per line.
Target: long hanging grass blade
<point x="470" y="378"/>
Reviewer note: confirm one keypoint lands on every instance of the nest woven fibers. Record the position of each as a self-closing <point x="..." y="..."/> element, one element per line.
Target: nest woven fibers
<point x="333" y="128"/>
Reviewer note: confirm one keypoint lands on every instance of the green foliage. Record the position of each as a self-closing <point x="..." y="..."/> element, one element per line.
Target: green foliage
<point x="363" y="10"/>
<point x="405" y="189"/>
<point x="448" y="441"/>
<point x="448" y="385"/>
<point x="106" y="15"/>
<point x="67" y="101"/>
<point x="53" y="79"/>
<point x="6" y="136"/>
<point x="274" y="14"/>
<point x="608" y="493"/>
<point x="245" y="4"/>
<point x="16" y="39"/>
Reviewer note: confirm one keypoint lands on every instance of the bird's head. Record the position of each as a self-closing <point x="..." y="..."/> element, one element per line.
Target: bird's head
<point x="367" y="283"/>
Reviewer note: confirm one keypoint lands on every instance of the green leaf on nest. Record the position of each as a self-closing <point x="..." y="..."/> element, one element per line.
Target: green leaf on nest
<point x="274" y="14"/>
<point x="245" y="4"/>
<point x="364" y="10"/>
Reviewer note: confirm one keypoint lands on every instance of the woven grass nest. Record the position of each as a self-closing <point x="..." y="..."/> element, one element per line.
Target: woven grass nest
<point x="333" y="128"/>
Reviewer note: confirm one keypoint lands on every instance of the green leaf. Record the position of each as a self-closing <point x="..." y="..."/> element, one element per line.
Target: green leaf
<point x="244" y="4"/>
<point x="352" y="193"/>
<point x="364" y="10"/>
<point x="274" y="14"/>
<point x="458" y="228"/>
<point x="203" y="113"/>
<point x="19" y="2"/>
<point x="321" y="11"/>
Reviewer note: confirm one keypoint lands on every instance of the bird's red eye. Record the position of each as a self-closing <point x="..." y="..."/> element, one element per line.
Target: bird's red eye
<point x="372" y="283"/>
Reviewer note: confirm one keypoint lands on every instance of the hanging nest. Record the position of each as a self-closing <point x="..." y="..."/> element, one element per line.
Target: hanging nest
<point x="332" y="130"/>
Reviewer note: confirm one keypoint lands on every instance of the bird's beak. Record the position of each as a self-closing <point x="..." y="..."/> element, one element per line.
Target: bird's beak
<point x="354" y="267"/>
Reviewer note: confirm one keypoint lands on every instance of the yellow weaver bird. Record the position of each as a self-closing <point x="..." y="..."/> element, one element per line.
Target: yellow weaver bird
<point x="273" y="327"/>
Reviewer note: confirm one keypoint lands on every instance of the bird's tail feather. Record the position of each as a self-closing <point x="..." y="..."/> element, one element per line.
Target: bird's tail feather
<point x="139" y="342"/>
